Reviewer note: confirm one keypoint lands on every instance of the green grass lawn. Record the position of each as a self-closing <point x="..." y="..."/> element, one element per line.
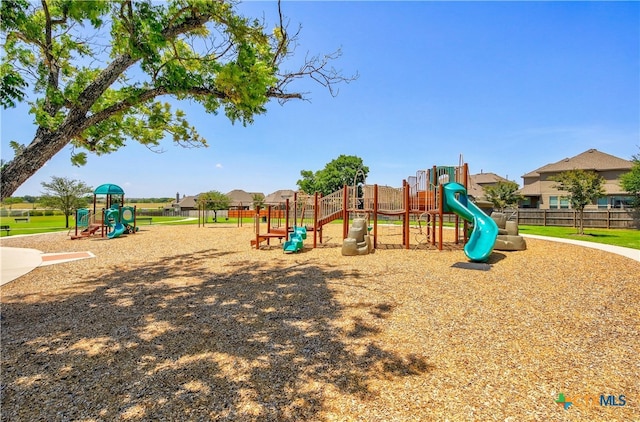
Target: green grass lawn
<point x="35" y="225"/>
<point x="629" y="238"/>
<point x="57" y="223"/>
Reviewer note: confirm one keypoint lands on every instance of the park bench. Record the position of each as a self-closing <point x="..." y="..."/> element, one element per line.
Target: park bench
<point x="25" y="219"/>
<point x="144" y="219"/>
<point x="6" y="229"/>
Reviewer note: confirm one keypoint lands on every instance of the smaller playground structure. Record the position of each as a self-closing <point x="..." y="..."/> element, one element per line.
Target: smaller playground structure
<point x="278" y="220"/>
<point x="111" y="221"/>
<point x="424" y="199"/>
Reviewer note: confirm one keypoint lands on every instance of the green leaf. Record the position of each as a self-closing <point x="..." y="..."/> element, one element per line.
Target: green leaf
<point x="79" y="159"/>
<point x="16" y="147"/>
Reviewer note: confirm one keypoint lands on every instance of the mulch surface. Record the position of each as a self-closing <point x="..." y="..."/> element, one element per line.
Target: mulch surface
<point x="188" y="323"/>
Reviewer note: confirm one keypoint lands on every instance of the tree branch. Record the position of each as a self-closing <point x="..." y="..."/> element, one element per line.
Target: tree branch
<point x="122" y="106"/>
<point x="284" y="41"/>
<point x="50" y="61"/>
<point x="318" y="69"/>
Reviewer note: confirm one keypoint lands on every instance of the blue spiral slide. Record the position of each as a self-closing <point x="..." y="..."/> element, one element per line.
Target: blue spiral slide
<point x="485" y="230"/>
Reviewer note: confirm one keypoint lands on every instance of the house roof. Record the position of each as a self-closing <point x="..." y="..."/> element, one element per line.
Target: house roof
<point x="477" y="182"/>
<point x="487" y="178"/>
<point x="532" y="189"/>
<point x="278" y="196"/>
<point x="475" y="190"/>
<point x="240" y="197"/>
<point x="188" y="202"/>
<point x="591" y="159"/>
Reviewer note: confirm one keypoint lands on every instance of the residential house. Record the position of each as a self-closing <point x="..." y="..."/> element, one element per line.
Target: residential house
<point x="539" y="190"/>
<point x="279" y="196"/>
<point x="478" y="182"/>
<point x="187" y="203"/>
<point x="242" y="200"/>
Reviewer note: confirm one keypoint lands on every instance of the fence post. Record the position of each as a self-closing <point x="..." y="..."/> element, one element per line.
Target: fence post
<point x="608" y="219"/>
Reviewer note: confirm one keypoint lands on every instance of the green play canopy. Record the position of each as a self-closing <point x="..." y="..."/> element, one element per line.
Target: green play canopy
<point x="108" y="189"/>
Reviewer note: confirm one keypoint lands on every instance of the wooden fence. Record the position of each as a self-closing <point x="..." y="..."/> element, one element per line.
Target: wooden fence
<point x="252" y="213"/>
<point x="610" y="219"/>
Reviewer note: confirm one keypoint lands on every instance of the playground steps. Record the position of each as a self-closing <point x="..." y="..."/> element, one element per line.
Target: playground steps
<point x="278" y="231"/>
<point x="329" y="218"/>
<point x="266" y="236"/>
<point x="89" y="231"/>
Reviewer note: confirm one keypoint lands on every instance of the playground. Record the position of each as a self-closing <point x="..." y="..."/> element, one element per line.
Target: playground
<point x="192" y="323"/>
<point x="425" y="199"/>
<point x="113" y="220"/>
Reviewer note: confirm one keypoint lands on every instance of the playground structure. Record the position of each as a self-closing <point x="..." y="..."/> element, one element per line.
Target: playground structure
<point x="425" y="198"/>
<point x="111" y="221"/>
<point x="302" y="211"/>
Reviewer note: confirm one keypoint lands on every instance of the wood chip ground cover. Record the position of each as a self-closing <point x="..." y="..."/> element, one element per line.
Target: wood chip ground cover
<point x="188" y="323"/>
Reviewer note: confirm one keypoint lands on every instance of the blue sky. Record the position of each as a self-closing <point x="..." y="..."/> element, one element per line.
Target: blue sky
<point x="511" y="86"/>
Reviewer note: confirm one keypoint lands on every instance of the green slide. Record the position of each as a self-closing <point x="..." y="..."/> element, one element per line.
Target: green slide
<point x="116" y="228"/>
<point x="485" y="230"/>
<point x="295" y="244"/>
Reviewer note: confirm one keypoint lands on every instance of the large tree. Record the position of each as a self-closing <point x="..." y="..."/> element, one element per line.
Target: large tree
<point x="630" y="181"/>
<point x="344" y="170"/>
<point x="65" y="194"/>
<point x="582" y="187"/>
<point x="215" y="201"/>
<point x="94" y="72"/>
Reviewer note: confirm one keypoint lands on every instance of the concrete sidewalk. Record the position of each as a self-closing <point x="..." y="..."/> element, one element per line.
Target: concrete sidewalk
<point x="17" y="262"/>
<point x="619" y="250"/>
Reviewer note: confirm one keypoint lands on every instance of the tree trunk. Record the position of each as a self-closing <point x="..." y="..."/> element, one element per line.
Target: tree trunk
<point x="44" y="146"/>
<point x="580" y="224"/>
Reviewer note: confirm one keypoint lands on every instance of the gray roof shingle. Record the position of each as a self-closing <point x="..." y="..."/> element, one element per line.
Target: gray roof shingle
<point x="591" y="159"/>
<point x="279" y="196"/>
<point x="487" y="178"/>
<point x="239" y="197"/>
